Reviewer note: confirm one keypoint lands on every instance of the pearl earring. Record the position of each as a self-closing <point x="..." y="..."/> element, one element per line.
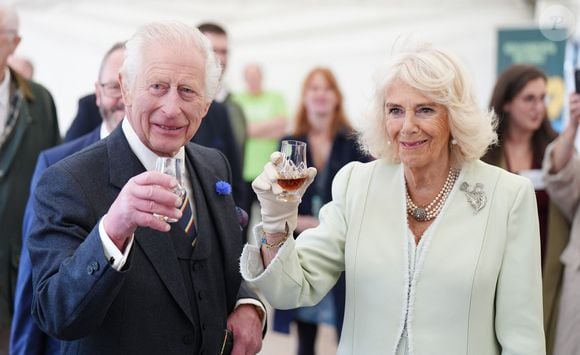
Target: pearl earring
<point x="454" y="141"/>
<point x="389" y="142"/>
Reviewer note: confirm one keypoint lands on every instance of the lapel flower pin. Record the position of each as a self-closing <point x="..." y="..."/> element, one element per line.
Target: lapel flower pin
<point x="223" y="188"/>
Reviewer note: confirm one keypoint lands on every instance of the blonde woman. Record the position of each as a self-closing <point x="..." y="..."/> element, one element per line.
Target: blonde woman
<point x="441" y="251"/>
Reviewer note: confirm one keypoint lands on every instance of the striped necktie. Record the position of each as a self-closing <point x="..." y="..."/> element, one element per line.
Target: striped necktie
<point x="187" y="222"/>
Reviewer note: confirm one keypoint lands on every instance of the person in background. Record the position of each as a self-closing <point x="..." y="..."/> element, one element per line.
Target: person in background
<point x="87" y="118"/>
<point x="441" y="251"/>
<point x="22" y="66"/>
<point x="26" y="338"/>
<point x="322" y="123"/>
<point x="265" y="113"/>
<point x="141" y="284"/>
<point x="524" y="131"/>
<point x="219" y="40"/>
<point x="561" y="168"/>
<point x="28" y="124"/>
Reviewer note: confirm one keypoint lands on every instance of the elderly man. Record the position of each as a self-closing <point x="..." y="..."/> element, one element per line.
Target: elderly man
<point x="109" y="276"/>
<point x="26" y="338"/>
<point x="28" y="124"/>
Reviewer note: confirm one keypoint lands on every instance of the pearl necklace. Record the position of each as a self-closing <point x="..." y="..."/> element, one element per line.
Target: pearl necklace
<point x="424" y="214"/>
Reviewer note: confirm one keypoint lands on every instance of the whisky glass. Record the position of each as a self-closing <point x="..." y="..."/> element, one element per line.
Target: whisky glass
<point x="171" y="166"/>
<point x="292" y="170"/>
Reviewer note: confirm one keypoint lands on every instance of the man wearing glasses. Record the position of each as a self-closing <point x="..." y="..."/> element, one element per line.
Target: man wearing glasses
<point x="28" y="124"/>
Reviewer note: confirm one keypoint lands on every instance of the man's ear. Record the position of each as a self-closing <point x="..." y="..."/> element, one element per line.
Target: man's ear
<point x="125" y="92"/>
<point x="98" y="93"/>
<point x="15" y="42"/>
<point x="205" y="108"/>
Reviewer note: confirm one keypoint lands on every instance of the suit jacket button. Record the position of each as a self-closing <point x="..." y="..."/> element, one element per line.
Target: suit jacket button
<point x="200" y="295"/>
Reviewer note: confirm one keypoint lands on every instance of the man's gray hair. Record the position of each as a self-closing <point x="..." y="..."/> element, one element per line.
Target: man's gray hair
<point x="9" y="18"/>
<point x="171" y="32"/>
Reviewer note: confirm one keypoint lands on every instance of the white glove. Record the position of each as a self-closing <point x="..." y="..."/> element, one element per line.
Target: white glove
<point x="278" y="216"/>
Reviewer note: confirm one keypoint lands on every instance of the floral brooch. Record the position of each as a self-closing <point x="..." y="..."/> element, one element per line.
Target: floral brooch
<point x="223" y="188"/>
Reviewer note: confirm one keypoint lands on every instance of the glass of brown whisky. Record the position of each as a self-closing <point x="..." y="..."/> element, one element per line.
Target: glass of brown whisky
<point x="292" y="170"/>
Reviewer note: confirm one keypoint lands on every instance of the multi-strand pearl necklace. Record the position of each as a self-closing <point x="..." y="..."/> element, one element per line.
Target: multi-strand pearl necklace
<point x="423" y="214"/>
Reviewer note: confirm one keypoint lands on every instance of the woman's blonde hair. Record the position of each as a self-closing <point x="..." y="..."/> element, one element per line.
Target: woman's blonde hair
<point x="439" y="76"/>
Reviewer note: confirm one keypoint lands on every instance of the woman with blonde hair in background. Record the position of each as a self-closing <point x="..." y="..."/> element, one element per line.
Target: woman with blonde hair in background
<point x="322" y="124"/>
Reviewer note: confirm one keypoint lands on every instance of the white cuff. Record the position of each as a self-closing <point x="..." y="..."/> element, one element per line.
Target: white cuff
<point x="256" y="303"/>
<point x="115" y="257"/>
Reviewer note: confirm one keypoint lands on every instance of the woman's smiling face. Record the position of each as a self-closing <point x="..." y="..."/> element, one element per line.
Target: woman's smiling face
<point x="417" y="126"/>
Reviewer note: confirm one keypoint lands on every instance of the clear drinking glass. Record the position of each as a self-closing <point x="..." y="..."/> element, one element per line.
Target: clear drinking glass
<point x="171" y="166"/>
<point x="292" y="170"/>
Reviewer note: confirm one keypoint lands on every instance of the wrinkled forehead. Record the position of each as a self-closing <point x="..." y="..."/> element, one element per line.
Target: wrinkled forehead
<point x="172" y="54"/>
<point x="163" y="64"/>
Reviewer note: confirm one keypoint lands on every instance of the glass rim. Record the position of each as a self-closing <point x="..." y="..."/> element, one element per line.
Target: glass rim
<point x="292" y="142"/>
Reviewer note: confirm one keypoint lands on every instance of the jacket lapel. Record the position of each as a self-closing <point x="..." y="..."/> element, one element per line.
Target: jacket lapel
<point x="156" y="245"/>
<point x="220" y="212"/>
<point x="161" y="253"/>
<point x="467" y="235"/>
<point x="220" y="208"/>
<point x="10" y="144"/>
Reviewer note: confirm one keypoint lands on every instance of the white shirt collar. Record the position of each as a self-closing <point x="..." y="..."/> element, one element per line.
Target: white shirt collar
<point x="104" y="132"/>
<point x="4" y="99"/>
<point x="221" y="94"/>
<point x="4" y="87"/>
<point x="144" y="154"/>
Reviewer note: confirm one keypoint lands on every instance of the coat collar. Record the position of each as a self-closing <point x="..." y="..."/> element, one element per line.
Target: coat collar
<point x="225" y="230"/>
<point x="19" y="82"/>
<point x="12" y="140"/>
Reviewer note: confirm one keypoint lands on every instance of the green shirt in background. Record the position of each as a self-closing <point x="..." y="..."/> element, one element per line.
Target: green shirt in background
<point x="260" y="108"/>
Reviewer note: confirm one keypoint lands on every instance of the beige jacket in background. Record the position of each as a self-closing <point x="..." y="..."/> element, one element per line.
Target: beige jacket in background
<point x="564" y="190"/>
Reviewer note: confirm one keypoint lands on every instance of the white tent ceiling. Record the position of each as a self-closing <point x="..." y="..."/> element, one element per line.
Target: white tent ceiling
<point x="66" y="38"/>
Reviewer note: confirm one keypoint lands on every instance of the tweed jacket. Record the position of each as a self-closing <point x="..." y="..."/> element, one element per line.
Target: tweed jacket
<point x="475" y="290"/>
<point x="145" y="307"/>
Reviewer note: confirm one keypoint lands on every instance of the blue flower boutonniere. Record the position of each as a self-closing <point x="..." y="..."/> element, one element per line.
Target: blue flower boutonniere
<point x="223" y="188"/>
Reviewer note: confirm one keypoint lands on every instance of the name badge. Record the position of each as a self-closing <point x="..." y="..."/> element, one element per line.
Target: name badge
<point x="535" y="176"/>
